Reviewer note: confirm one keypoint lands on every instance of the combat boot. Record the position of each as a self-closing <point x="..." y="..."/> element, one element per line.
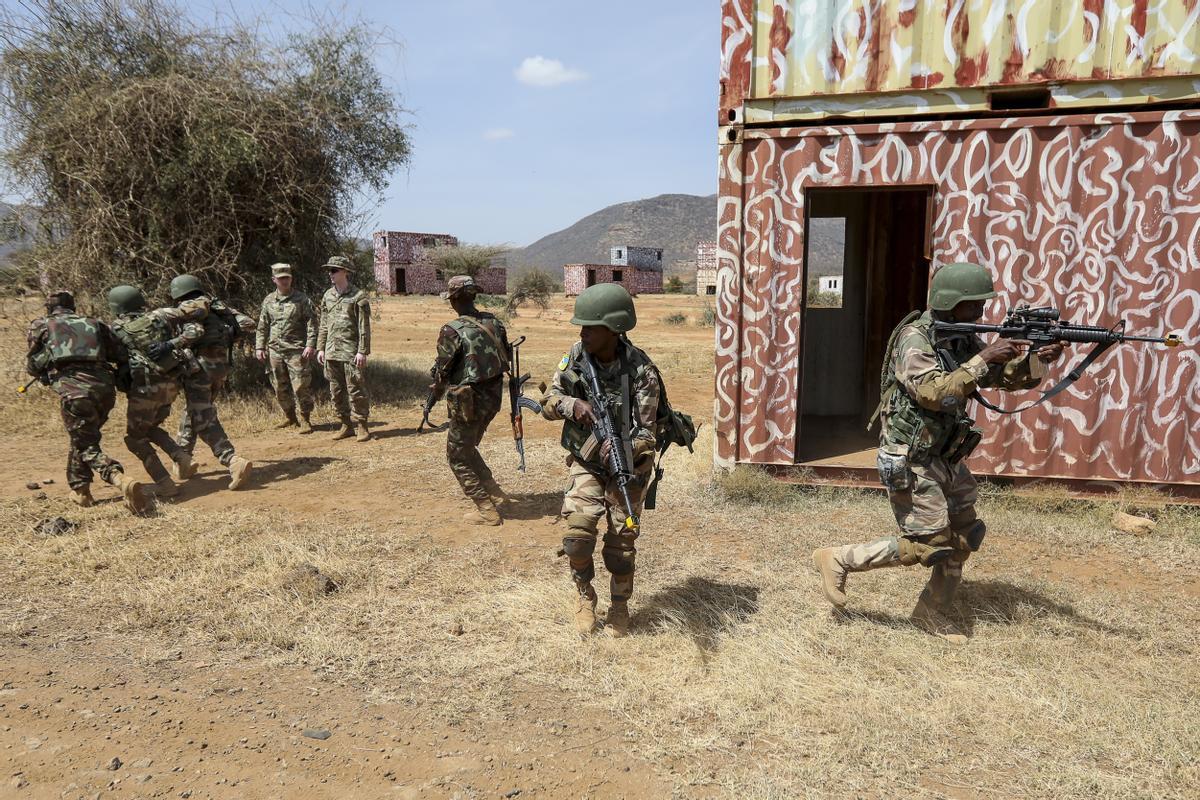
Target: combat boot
<point x="239" y="471"/>
<point x="833" y="574"/>
<point x="344" y="432"/>
<point x="616" y="622"/>
<point x="305" y="424"/>
<point x="82" y="496"/>
<point x="835" y="563"/>
<point x="166" y="487"/>
<point x="182" y="466"/>
<point x="485" y="513"/>
<point x="364" y="433"/>
<point x="931" y="619"/>
<point x="289" y="420"/>
<point x="133" y="491"/>
<point x="585" y="611"/>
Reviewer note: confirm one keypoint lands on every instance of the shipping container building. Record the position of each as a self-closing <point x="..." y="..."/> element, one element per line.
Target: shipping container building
<point x="1057" y="143"/>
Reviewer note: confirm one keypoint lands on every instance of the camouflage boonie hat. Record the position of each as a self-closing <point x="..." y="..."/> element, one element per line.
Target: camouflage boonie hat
<point x="458" y="284"/>
<point x="339" y="262"/>
<point x="281" y="270"/>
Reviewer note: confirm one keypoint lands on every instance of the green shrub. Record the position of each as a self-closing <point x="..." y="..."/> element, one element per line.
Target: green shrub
<point x="675" y="319"/>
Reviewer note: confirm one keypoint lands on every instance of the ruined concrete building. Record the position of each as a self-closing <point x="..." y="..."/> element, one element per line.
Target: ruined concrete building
<point x="706" y="268"/>
<point x="638" y="269"/>
<point x="402" y="265"/>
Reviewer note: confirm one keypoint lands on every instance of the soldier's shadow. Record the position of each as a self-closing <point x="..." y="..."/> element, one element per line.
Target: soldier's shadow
<point x="703" y="608"/>
<point x="392" y="433"/>
<point x="215" y="478"/>
<point x="1003" y="603"/>
<point x="533" y="506"/>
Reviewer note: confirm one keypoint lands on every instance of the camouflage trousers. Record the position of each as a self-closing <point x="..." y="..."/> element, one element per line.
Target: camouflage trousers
<point x="200" y="419"/>
<point x="291" y="376"/>
<point x="935" y="509"/>
<point x="348" y="391"/>
<point x="149" y="407"/>
<point x="471" y="410"/>
<point x="84" y="417"/>
<point x="589" y="499"/>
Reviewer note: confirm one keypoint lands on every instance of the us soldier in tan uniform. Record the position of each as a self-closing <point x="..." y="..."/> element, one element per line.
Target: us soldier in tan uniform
<point x="926" y="434"/>
<point x="287" y="337"/>
<point x="472" y="357"/>
<point x="343" y="344"/>
<point x="605" y="313"/>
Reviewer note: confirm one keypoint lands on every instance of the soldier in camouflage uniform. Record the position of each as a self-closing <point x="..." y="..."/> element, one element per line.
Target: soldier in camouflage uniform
<point x="343" y="344"/>
<point x="926" y="434"/>
<point x="472" y="356"/>
<point x="153" y="384"/>
<point x="73" y="355"/>
<point x="605" y="313"/>
<point x="287" y="336"/>
<point x="220" y="326"/>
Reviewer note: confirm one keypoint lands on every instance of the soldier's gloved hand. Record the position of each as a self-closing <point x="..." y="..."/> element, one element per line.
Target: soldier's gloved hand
<point x="159" y="349"/>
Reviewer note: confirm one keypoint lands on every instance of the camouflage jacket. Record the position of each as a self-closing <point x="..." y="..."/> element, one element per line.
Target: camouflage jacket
<point x="637" y="414"/>
<point x="466" y="354"/>
<point x="186" y="331"/>
<point x="936" y="394"/>
<point x="220" y="324"/>
<point x="287" y="323"/>
<point x="74" y="354"/>
<point x="345" y="324"/>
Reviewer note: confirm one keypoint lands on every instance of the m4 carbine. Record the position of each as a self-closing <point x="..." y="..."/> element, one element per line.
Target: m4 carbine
<point x="1043" y="326"/>
<point x="607" y="429"/>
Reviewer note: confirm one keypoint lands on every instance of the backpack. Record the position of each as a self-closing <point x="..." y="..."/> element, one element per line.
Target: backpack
<point x="141" y="332"/>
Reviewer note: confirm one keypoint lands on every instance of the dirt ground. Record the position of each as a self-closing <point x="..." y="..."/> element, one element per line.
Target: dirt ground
<point x="172" y="656"/>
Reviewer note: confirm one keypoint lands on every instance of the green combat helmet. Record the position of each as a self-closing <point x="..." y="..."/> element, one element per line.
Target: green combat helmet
<point x="954" y="283"/>
<point x="182" y="285"/>
<point x="125" y="299"/>
<point x="607" y="304"/>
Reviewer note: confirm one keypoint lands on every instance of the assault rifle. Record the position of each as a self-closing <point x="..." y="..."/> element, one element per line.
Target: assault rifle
<point x="516" y="401"/>
<point x="435" y="394"/>
<point x="607" y="429"/>
<point x="31" y="382"/>
<point x="1041" y="327"/>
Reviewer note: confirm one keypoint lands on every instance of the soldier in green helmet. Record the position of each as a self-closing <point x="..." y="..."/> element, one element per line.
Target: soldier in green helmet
<point x="926" y="434"/>
<point x="605" y="314"/>
<point x="74" y="355"/>
<point x="158" y="360"/>
<point x="343" y="344"/>
<point x="472" y="357"/>
<point x="220" y="327"/>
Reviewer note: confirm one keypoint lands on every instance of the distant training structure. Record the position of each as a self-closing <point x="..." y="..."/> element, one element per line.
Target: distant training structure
<point x="403" y="266"/>
<point x="706" y="268"/>
<point x="638" y="269"/>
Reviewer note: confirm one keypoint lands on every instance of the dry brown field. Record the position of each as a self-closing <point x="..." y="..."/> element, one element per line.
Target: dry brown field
<point x="446" y="665"/>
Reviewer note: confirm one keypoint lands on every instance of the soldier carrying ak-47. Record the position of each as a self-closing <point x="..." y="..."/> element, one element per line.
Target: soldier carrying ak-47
<point x="472" y="356"/>
<point x="73" y="355"/>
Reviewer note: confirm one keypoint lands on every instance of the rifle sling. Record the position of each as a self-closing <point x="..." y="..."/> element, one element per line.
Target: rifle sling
<point x="1070" y="378"/>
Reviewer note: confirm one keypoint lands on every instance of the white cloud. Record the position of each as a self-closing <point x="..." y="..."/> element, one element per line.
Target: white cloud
<point x="546" y="72"/>
<point x="493" y="134"/>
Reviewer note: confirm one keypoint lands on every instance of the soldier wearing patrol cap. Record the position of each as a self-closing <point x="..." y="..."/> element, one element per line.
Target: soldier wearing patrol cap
<point x="926" y="435"/>
<point x="343" y="344"/>
<point x="605" y="314"/>
<point x="287" y="339"/>
<point x="472" y="357"/>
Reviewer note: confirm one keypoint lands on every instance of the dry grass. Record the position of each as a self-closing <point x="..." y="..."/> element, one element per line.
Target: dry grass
<point x="1081" y="680"/>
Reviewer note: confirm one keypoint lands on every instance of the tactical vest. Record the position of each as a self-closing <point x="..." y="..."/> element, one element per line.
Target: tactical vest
<point x="620" y="396"/>
<point x="928" y="434"/>
<point x="138" y="333"/>
<point x="220" y="327"/>
<point x="72" y="339"/>
<point x="489" y="362"/>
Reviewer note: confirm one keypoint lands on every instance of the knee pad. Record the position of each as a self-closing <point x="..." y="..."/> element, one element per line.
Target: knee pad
<point x="583" y="525"/>
<point x="927" y="555"/>
<point x="579" y="548"/>
<point x="618" y="562"/>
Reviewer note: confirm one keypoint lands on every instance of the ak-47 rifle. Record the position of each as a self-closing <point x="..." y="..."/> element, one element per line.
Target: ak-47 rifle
<point x="517" y="401"/>
<point x="607" y="429"/>
<point x="435" y="394"/>
<point x="1041" y="327"/>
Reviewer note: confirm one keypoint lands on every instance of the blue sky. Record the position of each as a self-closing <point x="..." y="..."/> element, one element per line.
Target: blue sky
<point x="527" y="115"/>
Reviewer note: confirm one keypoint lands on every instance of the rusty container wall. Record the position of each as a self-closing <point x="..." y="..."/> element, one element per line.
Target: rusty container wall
<point x="809" y="59"/>
<point x="1098" y="214"/>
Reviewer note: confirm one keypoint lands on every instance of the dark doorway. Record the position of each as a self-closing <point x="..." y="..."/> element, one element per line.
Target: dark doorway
<point x="591" y="277"/>
<point x="866" y="267"/>
<point x="616" y="276"/>
<point x="710" y="290"/>
<point x="401" y="282"/>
